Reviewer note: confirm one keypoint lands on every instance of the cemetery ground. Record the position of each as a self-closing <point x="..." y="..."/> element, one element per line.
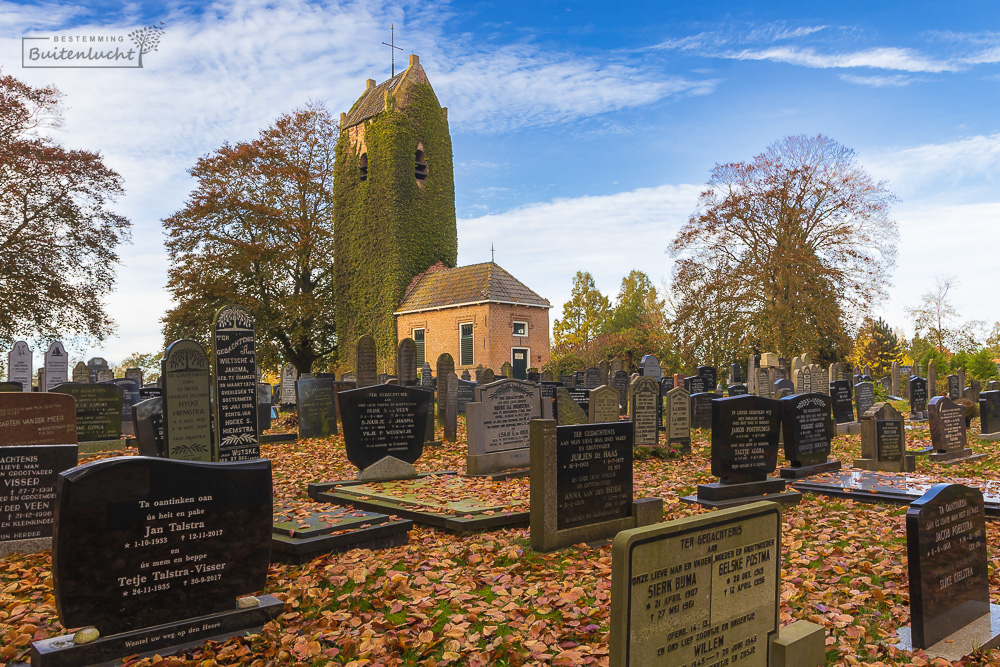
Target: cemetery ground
<point x="489" y="599"/>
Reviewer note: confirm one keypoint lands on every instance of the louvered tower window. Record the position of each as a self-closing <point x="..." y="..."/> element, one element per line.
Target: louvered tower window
<point x="421" y="166"/>
<point x="418" y="338"/>
<point x="466" y="344"/>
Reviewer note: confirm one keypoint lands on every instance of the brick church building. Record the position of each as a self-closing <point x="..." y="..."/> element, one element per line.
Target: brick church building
<point x="396" y="242"/>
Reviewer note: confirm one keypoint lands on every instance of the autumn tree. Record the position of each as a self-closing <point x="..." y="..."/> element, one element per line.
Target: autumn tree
<point x="147" y="362"/>
<point x="787" y="249"/>
<point x="58" y="237"/>
<point x="258" y="231"/>
<point x="876" y="345"/>
<point x="583" y="314"/>
<point x="637" y="302"/>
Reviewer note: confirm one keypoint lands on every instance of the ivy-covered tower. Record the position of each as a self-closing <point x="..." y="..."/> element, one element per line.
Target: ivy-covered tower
<point x="394" y="215"/>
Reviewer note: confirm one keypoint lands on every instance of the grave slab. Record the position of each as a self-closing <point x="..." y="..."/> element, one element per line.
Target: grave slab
<point x="303" y="533"/>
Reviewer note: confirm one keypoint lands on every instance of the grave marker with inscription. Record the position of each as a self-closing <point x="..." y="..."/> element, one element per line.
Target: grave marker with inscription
<point x="317" y="408"/>
<point x="843" y="406"/>
<point x="19" y="365"/>
<point x="98" y="410"/>
<point x="56" y="366"/>
<point x="187" y="405"/>
<point x="147" y="416"/>
<point x="81" y="374"/>
<point x="947" y="425"/>
<point x="918" y="398"/>
<point x="288" y="377"/>
<point x="701" y="409"/>
<point x="807" y="426"/>
<point x="237" y="433"/>
<point x="989" y="415"/>
<point x="366" y="362"/>
<point x="406" y="362"/>
<point x="864" y="396"/>
<point x="603" y="405"/>
<point x="644" y="395"/>
<point x="883" y="441"/>
<point x="677" y="419"/>
<point x="382" y="421"/>
<point x="498" y="426"/>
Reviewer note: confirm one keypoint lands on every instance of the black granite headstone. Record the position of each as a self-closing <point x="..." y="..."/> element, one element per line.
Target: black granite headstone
<point x="864" y="396"/>
<point x="149" y="391"/>
<point x="236" y="431"/>
<point x="696" y="384"/>
<point x="807" y="422"/>
<point x="946" y="555"/>
<point x="989" y="412"/>
<point x="745" y="431"/>
<point x="98" y="410"/>
<point x="593" y="473"/>
<point x="954" y="388"/>
<point x="737" y="390"/>
<point x="710" y="375"/>
<point x="619" y="380"/>
<point x="143" y="541"/>
<point x="264" y="396"/>
<point x="466" y="394"/>
<point x="735" y="373"/>
<point x="701" y="409"/>
<point x="317" y="407"/>
<point x="918" y="397"/>
<point x="147" y="416"/>
<point x="592" y="378"/>
<point x="130" y="396"/>
<point x="384" y="420"/>
<point x="843" y="406"/>
<point x="783" y="388"/>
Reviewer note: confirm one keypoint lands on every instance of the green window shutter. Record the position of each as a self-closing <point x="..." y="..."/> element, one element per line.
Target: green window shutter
<point x="466" y="345"/>
<point x="418" y="338"/>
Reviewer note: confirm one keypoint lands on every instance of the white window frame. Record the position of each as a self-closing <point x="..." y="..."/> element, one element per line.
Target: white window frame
<point x="514" y="331"/>
<point x="460" y="359"/>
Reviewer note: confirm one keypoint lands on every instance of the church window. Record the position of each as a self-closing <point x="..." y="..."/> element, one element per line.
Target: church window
<point x="466" y="344"/>
<point x="418" y="338"/>
<point x="363" y="166"/>
<point x="520" y="328"/>
<point x="421" y="168"/>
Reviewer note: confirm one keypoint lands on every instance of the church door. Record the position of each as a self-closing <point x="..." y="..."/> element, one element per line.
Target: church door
<point x="519" y="358"/>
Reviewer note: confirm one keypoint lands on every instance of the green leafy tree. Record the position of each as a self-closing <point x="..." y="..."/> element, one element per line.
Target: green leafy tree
<point x="637" y="303"/>
<point x="148" y="363"/>
<point x="877" y="346"/>
<point x="258" y="231"/>
<point x="981" y="365"/>
<point x="785" y="248"/>
<point x="583" y="314"/>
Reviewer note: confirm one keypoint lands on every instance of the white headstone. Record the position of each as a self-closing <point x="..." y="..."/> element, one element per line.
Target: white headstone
<point x="56" y="365"/>
<point x="19" y="367"/>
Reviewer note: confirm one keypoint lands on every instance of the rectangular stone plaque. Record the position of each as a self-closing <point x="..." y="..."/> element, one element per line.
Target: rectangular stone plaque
<point x="28" y="476"/>
<point x="593" y="473"/>
<point x="843" y="406"/>
<point x="98" y="410"/>
<point x="891" y="443"/>
<point x="697" y="592"/>
<point x="143" y="541"/>
<point x="317" y="408"/>
<point x="37" y="419"/>
<point x="466" y="394"/>
<point x="508" y="406"/>
<point x="946" y="555"/>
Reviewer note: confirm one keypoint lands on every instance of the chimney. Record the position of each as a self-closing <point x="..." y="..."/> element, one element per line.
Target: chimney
<point x="414" y="60"/>
<point x="343" y="119"/>
<point x="369" y="84"/>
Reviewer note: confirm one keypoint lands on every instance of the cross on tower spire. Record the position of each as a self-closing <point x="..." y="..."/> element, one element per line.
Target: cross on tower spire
<point x="493" y="254"/>
<point x="392" y="46"/>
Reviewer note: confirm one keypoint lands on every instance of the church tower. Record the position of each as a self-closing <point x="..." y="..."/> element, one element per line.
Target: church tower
<point x="394" y="213"/>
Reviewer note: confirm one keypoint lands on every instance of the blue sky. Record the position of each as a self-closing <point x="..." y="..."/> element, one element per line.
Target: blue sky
<point x="582" y="132"/>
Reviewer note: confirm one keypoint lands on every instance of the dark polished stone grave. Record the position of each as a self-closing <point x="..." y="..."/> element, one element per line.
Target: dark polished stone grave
<point x="185" y="540"/>
<point x="384" y="421"/>
<point x="947" y="425"/>
<point x="864" y="397"/>
<point x="696" y="384"/>
<point x="918" y="398"/>
<point x="130" y="396"/>
<point x="783" y="388"/>
<point x="745" y="432"/>
<point x="701" y="409"/>
<point x="989" y="415"/>
<point x="710" y="375"/>
<point x="737" y="390"/>
<point x="98" y="410"/>
<point x="147" y="416"/>
<point x="949" y="579"/>
<point x="317" y="408"/>
<point x="6" y="387"/>
<point x="581" y="484"/>
<point x="954" y="387"/>
<point x="807" y="425"/>
<point x="466" y="394"/>
<point x="299" y="535"/>
<point x="236" y="430"/>
<point x="265" y="394"/>
<point x="149" y="391"/>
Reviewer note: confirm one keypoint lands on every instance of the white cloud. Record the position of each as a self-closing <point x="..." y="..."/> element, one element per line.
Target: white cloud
<point x="891" y="58"/>
<point x="938" y="169"/>
<point x="545" y="244"/>
<point x="894" y="81"/>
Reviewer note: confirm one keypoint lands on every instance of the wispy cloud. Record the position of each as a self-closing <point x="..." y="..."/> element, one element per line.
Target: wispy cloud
<point x="890" y="58"/>
<point x="971" y="161"/>
<point x="894" y="81"/>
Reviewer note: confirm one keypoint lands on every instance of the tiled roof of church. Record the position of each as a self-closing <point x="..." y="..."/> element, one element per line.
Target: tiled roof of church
<point x="441" y="287"/>
<point x="372" y="102"/>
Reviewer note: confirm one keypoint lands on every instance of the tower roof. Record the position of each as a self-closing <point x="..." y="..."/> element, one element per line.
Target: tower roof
<point x="443" y="287"/>
<point x="372" y="101"/>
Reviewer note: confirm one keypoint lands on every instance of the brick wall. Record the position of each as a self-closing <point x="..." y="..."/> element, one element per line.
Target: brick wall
<point x="492" y="330"/>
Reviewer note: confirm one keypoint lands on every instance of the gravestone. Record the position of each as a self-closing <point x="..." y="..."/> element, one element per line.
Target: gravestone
<point x="38" y="436"/>
<point x="95" y="365"/>
<point x="264" y="395"/>
<point x="577" y="380"/>
<point x="603" y="405"/>
<point x="989" y="415"/>
<point x="105" y="375"/>
<point x="894" y="388"/>
<point x="650" y="367"/>
<point x="41" y="381"/>
<point x="677" y="419"/>
<point x="666" y="384"/>
<point x="619" y="380"/>
<point x="385" y="421"/>
<point x="950" y="610"/>
<point x="807" y="427"/>
<point x="605" y="370"/>
<point x="883" y="441"/>
<point x="56" y="366"/>
<point x="19" y="365"/>
<point x="366" y="361"/>
<point x="918" y="398"/>
<point x="445" y="366"/>
<point x="466" y="393"/>
<point x="993" y="385"/>
<point x="947" y="425"/>
<point x="466" y="375"/>
<point x="506" y="370"/>
<point x="567" y="381"/>
<point x="479" y="373"/>
<point x="7" y="387"/>
<point x="735" y="374"/>
<point x="710" y="375"/>
<point x="737" y="390"/>
<point x="752" y="373"/>
<point x="406" y="362"/>
<point x="153" y="553"/>
<point x="783" y="388"/>
<point x="592" y="378"/>
<point x="450" y="395"/>
<point x="644" y="395"/>
<point x="149" y="391"/>
<point x="317" y="408"/>
<point x="134" y="374"/>
<point x="187" y="406"/>
<point x="954" y="388"/>
<point x="426" y="376"/>
<point x="147" y="417"/>
<point x="961" y="383"/>
<point x="617" y="365"/>
<point x="533" y="375"/>
<point x="886" y="383"/>
<point x="288" y="378"/>
<point x="81" y="374"/>
<point x="701" y="409"/>
<point x="498" y="426"/>
<point x="864" y="396"/>
<point x="932" y="378"/>
<point x="706" y="591"/>
<point x="98" y="410"/>
<point x="581" y="481"/>
<point x="745" y="432"/>
<point x="567" y="410"/>
<point x="763" y="383"/>
<point x="696" y="384"/>
<point x="843" y="406"/>
<point x="582" y="398"/>
<point x="130" y="396"/>
<point x="236" y="431"/>
<point x="807" y="381"/>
